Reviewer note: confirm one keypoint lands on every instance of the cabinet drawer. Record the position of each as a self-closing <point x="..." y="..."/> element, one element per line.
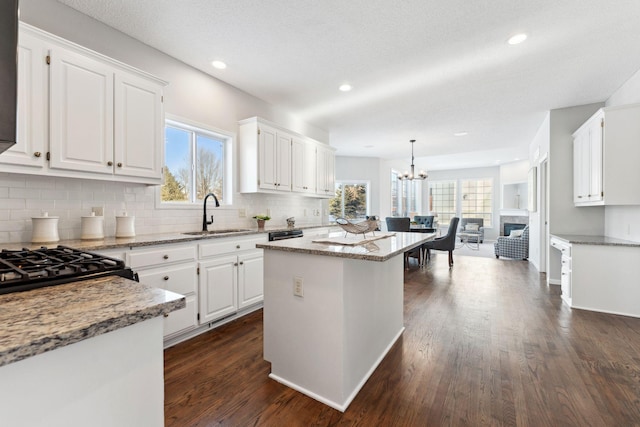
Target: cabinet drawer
<point x="167" y="255"/>
<point x="562" y="246"/>
<point x="181" y="279"/>
<point x="230" y="245"/>
<point x="183" y="319"/>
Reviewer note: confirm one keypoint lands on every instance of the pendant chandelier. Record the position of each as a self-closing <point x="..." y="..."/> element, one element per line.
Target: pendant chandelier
<point x="411" y="175"/>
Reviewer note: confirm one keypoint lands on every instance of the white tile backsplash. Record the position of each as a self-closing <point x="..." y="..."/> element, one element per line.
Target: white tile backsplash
<point x="25" y="196"/>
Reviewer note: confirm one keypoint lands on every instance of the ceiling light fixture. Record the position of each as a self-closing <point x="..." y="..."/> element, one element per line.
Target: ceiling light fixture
<point x="517" y="39"/>
<point x="219" y="65"/>
<point x="345" y="87"/>
<point x="411" y="176"/>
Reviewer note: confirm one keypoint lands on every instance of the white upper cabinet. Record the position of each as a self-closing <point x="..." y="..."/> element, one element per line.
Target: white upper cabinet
<point x="139" y="126"/>
<point x="275" y="160"/>
<point x="325" y="171"/>
<point x="88" y="115"/>
<point x="274" y="156"/>
<point x="30" y="149"/>
<point x="606" y="153"/>
<point x="303" y="166"/>
<point x="81" y="113"/>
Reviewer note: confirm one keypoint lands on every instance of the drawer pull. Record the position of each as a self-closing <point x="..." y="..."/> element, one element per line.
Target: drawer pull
<point x="37" y="154"/>
<point x="109" y="163"/>
<point x="241" y="262"/>
<point x="237" y="246"/>
<point x="235" y="264"/>
<point x="166" y="257"/>
<point x="165" y="278"/>
<point x="166" y="315"/>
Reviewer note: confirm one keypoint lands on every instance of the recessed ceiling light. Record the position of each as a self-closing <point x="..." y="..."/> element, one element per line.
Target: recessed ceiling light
<point x="517" y="39"/>
<point x="345" y="87"/>
<point x="219" y="65"/>
<point x="463" y="133"/>
<point x="368" y="146"/>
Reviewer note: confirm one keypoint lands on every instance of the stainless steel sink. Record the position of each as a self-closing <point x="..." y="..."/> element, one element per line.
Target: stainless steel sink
<point x="212" y="232"/>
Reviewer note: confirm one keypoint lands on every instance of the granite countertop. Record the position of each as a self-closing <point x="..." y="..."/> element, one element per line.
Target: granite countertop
<point x="44" y="319"/>
<point x="149" y="239"/>
<point x="579" y="239"/>
<point x="378" y="250"/>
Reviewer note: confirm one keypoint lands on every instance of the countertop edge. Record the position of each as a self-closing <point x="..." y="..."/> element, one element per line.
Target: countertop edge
<point x="62" y="337"/>
<point x="579" y="239"/>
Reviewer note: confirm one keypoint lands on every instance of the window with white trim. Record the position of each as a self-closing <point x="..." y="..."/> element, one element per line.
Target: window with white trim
<point x="405" y="196"/>
<point x="442" y="200"/>
<point x="197" y="162"/>
<point x="477" y="199"/>
<point x="351" y="201"/>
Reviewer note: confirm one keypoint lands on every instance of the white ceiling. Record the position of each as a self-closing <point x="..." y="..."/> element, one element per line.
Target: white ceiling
<point x="420" y="69"/>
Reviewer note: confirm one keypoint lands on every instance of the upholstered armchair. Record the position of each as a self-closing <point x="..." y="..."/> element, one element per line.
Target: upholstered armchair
<point x="426" y="220"/>
<point x="512" y="246"/>
<point x="473" y="226"/>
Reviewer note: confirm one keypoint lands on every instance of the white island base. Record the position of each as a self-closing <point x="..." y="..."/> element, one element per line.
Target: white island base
<point x="328" y="342"/>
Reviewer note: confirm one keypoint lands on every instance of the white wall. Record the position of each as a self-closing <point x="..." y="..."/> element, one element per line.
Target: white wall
<point x="192" y="95"/>
<point x="538" y="152"/>
<point x="623" y="222"/>
<point x="362" y="169"/>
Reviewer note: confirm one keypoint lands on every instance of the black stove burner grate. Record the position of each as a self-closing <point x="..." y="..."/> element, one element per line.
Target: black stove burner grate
<point x="33" y="268"/>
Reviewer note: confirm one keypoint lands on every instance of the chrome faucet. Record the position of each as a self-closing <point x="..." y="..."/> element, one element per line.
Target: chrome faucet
<point x="204" y="215"/>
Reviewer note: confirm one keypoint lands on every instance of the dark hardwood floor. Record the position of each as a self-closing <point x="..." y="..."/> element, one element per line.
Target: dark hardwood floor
<point x="486" y="343"/>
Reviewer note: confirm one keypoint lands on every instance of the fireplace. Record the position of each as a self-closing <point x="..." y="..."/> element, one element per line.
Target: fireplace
<point x="510" y="226"/>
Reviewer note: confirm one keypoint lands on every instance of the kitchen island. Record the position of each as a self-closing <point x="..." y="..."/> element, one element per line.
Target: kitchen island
<point x="332" y="311"/>
<point x="84" y="353"/>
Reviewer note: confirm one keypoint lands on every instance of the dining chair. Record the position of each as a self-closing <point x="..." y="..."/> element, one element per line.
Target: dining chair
<point x="444" y="243"/>
<point x="403" y="224"/>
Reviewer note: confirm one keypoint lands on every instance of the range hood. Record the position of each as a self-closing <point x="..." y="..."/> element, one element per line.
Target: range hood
<point x="8" y="72"/>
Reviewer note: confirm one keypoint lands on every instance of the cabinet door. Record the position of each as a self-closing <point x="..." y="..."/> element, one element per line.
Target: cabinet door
<point x="138" y="126"/>
<point x="218" y="288"/>
<point x="250" y="278"/>
<point x="581" y="168"/>
<point x="303" y="166"/>
<point x="81" y="109"/>
<point x="595" y="160"/>
<point x="325" y="164"/>
<point x="30" y="146"/>
<point x="268" y="157"/>
<point x="283" y="166"/>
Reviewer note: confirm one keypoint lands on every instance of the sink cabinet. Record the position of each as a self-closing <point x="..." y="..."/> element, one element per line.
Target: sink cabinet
<point x="231" y="276"/>
<point x="605" y="152"/>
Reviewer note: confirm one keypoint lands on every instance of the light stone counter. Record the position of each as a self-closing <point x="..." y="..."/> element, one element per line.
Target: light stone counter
<point x="579" y="239"/>
<point x="41" y="320"/>
<point x="379" y="250"/>
<point x="149" y="239"/>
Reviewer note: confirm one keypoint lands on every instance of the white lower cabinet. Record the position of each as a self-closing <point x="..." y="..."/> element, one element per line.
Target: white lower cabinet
<point x="231" y="276"/>
<point x="173" y="268"/>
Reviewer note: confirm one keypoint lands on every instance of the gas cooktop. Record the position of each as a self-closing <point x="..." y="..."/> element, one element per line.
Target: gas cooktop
<point x="26" y="269"/>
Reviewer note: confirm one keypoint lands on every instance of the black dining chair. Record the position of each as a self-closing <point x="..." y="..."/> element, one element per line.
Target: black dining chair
<point x="403" y="224"/>
<point x="445" y="243"/>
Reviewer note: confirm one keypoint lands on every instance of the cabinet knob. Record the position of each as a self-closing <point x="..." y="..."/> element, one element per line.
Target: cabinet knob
<point x="165" y="278"/>
<point x="109" y="163"/>
<point x="235" y="264"/>
<point x="166" y="257"/>
<point x="237" y="246"/>
<point x="119" y="164"/>
<point x="37" y="154"/>
<point x="241" y="262"/>
<point x="166" y="315"/>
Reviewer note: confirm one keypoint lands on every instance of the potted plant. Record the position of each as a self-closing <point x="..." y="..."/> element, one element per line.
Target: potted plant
<point x="261" y="219"/>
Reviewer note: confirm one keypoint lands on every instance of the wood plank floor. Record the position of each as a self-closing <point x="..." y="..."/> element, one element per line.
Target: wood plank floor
<point x="486" y="343"/>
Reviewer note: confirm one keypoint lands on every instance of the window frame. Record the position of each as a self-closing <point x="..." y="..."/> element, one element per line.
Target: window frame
<point x="402" y="197"/>
<point x="228" y="139"/>
<point x="459" y="199"/>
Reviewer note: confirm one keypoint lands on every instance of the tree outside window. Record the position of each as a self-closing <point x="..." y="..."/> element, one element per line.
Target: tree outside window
<point x="350" y="201"/>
